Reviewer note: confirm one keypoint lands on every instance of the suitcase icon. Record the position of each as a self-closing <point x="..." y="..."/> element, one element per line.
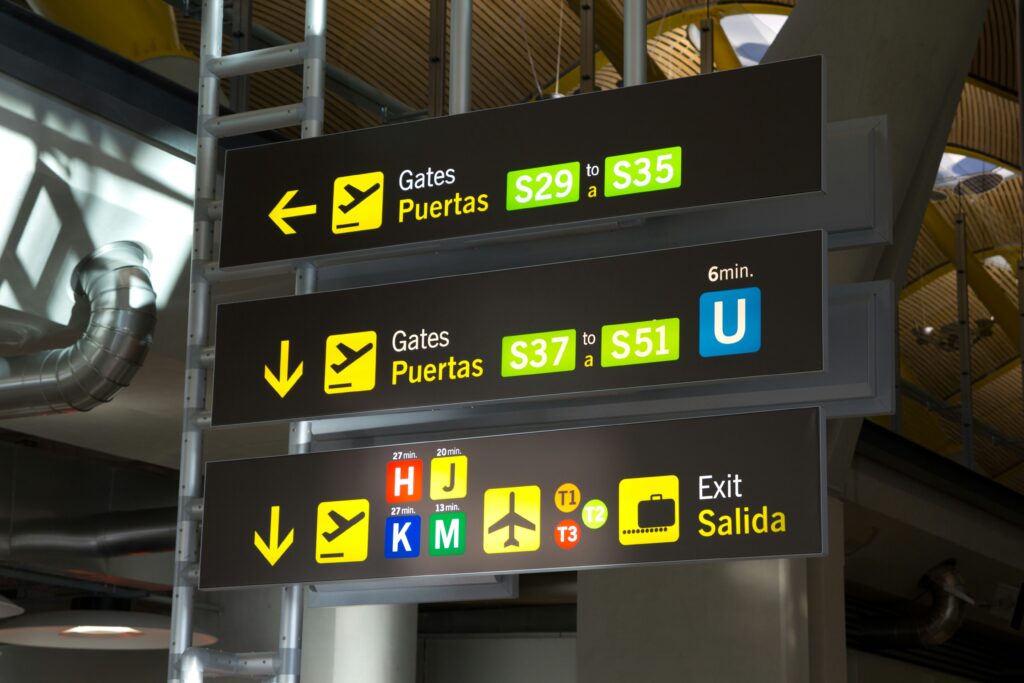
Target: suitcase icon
<point x="658" y="511"/>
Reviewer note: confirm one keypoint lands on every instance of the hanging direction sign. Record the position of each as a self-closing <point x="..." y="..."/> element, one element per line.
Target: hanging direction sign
<point x="681" y="490"/>
<point x="712" y="312"/>
<point x="653" y="149"/>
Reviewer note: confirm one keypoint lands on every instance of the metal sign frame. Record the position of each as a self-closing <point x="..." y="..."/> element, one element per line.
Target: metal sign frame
<point x="279" y="369"/>
<point x="428" y="181"/>
<point x="704" y="441"/>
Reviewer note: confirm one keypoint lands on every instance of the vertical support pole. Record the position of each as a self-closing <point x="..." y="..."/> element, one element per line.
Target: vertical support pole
<point x="587" y="11"/>
<point x="300" y="435"/>
<point x="290" y="641"/>
<point x="313" y="68"/>
<point x="1020" y="121"/>
<point x="707" y="45"/>
<point x="634" y="42"/>
<point x="241" y="31"/>
<point x="897" y="407"/>
<point x="190" y="476"/>
<point x="438" y="40"/>
<point x="964" y="335"/>
<point x="1020" y="308"/>
<point x="459" y="86"/>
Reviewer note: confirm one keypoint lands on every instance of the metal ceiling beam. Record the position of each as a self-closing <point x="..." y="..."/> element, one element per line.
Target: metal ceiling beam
<point x="1010" y="252"/>
<point x="918" y="422"/>
<point x="941" y="409"/>
<point x="983" y="381"/>
<point x="609" y="31"/>
<point x="988" y="291"/>
<point x="345" y="85"/>
<point x="571" y="78"/>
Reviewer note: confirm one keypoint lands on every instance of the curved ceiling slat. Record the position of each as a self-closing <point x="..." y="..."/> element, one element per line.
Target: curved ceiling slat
<point x="992" y="217"/>
<point x="999" y="404"/>
<point x="995" y="61"/>
<point x="987" y="122"/>
<point x="925" y="259"/>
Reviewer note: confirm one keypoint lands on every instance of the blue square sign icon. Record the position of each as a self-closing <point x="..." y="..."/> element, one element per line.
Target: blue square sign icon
<point x="402" y="536"/>
<point x="730" y="322"/>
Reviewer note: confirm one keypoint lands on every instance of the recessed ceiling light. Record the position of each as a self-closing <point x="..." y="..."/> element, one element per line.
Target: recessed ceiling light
<point x="93" y="630"/>
<point x="101" y="632"/>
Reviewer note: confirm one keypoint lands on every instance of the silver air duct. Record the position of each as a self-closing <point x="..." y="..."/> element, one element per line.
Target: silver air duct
<point x="90" y="371"/>
<point x="949" y="604"/>
<point x="104" y="535"/>
<point x="107" y="535"/>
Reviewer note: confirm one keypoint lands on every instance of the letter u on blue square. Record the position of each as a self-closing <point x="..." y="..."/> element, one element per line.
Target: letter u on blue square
<point x="402" y="536"/>
<point x="730" y="322"/>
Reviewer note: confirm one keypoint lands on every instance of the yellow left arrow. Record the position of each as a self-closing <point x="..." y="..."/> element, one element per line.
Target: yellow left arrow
<point x="282" y="211"/>
<point x="275" y="548"/>
<point x="282" y="382"/>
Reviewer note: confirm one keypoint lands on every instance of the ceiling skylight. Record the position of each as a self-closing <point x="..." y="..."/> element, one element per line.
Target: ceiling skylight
<point x="751" y="34"/>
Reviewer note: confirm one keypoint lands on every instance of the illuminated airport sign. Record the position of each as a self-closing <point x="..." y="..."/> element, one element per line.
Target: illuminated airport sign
<point x="640" y="151"/>
<point x="713" y="312"/>
<point x="738" y="486"/>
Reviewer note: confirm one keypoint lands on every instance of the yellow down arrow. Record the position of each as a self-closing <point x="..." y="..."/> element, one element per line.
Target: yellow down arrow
<point x="282" y="382"/>
<point x="282" y="211"/>
<point x="273" y="550"/>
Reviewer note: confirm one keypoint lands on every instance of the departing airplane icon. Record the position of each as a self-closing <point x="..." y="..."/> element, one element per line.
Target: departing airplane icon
<point x="351" y="355"/>
<point x="357" y="196"/>
<point x="342" y="531"/>
<point x="511" y="521"/>
<point x="358" y="202"/>
<point x="343" y="522"/>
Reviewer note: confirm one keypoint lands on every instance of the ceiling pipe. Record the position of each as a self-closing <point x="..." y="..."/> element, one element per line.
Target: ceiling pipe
<point x="106" y="357"/>
<point x="103" y="535"/>
<point x="949" y="605"/>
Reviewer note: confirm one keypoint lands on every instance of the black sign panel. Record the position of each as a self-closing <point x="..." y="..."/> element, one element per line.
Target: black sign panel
<point x="725" y="137"/>
<point x="737" y="309"/>
<point x="681" y="490"/>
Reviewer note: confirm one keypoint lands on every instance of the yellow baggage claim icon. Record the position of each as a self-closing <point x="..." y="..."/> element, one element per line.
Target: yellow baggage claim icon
<point x="350" y="362"/>
<point x="649" y="510"/>
<point x="512" y="519"/>
<point x="358" y="202"/>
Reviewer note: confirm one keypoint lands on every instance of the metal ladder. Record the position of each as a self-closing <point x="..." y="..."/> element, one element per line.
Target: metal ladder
<point x="185" y="663"/>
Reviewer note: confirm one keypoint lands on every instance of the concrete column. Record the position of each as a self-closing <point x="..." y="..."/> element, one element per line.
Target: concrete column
<point x="772" y="621"/>
<point x="826" y="605"/>
<point x="907" y="60"/>
<point x="730" y="622"/>
<point x="358" y="644"/>
<point x="782" y="620"/>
